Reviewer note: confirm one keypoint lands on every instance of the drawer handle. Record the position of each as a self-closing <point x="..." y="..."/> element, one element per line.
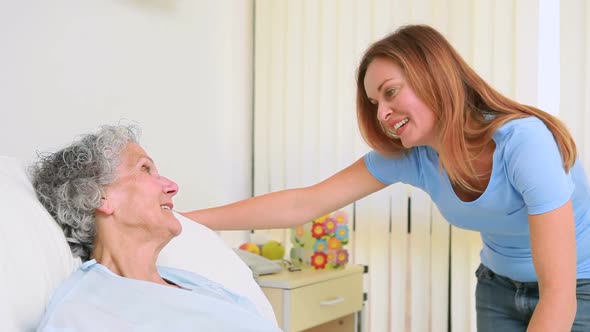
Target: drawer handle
<point x="335" y="301"/>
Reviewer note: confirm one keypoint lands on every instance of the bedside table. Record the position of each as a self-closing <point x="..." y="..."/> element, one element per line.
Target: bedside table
<point x="304" y="300"/>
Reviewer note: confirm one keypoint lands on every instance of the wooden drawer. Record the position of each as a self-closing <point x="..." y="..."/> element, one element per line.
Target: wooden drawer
<point x="322" y="302"/>
<point x="315" y="299"/>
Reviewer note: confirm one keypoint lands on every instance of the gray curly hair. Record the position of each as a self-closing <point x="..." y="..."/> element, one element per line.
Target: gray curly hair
<point x="70" y="182"/>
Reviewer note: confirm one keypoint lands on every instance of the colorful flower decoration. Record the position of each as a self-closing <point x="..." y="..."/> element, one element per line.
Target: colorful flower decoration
<point x="317" y="231"/>
<point x="320" y="245"/>
<point x="321" y="219"/>
<point x="329" y="225"/>
<point x="331" y="255"/>
<point x="340" y="217"/>
<point x="341" y="233"/>
<point x="334" y="243"/>
<point x="341" y="257"/>
<point x="319" y="260"/>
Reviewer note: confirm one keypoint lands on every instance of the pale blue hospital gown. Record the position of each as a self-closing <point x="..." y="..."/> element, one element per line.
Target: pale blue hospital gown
<point x="95" y="299"/>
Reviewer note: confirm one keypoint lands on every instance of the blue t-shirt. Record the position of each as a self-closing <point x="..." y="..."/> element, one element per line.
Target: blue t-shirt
<point x="95" y="299"/>
<point x="527" y="178"/>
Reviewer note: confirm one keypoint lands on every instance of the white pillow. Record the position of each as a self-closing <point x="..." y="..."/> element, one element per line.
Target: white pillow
<point x="201" y="250"/>
<point x="35" y="257"/>
<point x="34" y="254"/>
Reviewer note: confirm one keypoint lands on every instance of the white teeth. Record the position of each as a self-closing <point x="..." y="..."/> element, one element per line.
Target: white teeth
<point x="401" y="123"/>
<point x="165" y="207"/>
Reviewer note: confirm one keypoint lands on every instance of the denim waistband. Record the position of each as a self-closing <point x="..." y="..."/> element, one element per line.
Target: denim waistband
<point x="484" y="272"/>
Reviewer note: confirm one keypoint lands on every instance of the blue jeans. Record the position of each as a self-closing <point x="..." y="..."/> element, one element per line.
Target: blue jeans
<point x="503" y="304"/>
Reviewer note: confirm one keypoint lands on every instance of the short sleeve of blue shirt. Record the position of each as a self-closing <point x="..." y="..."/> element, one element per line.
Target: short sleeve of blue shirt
<point x="535" y="167"/>
<point x="406" y="169"/>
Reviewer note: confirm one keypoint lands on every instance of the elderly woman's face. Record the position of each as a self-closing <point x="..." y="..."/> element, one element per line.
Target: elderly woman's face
<point x="141" y="198"/>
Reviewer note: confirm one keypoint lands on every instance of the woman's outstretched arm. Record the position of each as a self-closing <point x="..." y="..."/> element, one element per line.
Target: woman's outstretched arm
<point x="287" y="208"/>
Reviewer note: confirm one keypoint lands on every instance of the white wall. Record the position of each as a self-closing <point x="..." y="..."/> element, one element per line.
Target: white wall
<point x="181" y="69"/>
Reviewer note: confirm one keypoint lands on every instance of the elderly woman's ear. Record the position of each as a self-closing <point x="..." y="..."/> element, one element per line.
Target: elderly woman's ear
<point x="105" y="206"/>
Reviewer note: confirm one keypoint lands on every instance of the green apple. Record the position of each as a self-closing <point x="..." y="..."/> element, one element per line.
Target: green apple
<point x="273" y="250"/>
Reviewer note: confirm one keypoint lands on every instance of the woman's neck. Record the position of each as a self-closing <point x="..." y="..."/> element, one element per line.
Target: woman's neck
<point x="129" y="259"/>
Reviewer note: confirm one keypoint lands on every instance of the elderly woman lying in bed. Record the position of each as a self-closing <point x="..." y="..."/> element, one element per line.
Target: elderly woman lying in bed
<point x="115" y="210"/>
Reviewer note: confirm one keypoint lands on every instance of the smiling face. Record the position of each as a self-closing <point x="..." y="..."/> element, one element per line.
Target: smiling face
<point x="401" y="113"/>
<point x="140" y="199"/>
